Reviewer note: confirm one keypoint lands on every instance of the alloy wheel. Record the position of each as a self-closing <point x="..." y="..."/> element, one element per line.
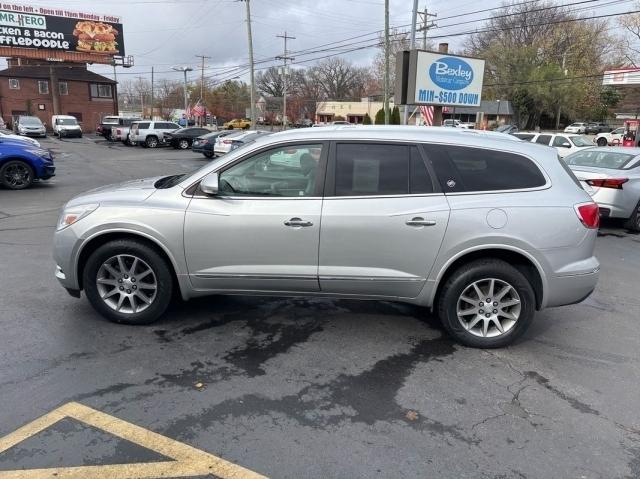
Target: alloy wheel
<point x="488" y="308"/>
<point x="183" y="144"/>
<point x="17" y="175"/>
<point x="127" y="284"/>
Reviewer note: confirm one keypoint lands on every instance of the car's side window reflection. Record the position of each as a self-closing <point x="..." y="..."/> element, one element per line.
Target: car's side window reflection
<point x="284" y="171"/>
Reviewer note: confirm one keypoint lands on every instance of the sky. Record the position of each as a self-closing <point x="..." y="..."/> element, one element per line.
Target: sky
<point x="167" y="33"/>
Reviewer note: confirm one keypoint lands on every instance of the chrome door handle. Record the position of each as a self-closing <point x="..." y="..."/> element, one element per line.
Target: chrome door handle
<point x="298" y="222"/>
<point x="418" y="221"/>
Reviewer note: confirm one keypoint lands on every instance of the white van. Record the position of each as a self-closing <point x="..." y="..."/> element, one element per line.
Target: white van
<point x="65" y="126"/>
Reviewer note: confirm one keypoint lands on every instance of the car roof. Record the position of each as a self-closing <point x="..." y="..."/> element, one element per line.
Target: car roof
<point x="616" y="149"/>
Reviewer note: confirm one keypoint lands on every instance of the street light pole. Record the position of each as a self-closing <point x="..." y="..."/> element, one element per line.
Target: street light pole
<point x="186" y="100"/>
<point x="251" y="65"/>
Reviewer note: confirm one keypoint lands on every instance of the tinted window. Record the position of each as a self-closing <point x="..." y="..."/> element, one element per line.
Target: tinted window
<point x="473" y="169"/>
<point x="419" y="178"/>
<point x="366" y="169"/>
<point x="543" y="139"/>
<point x="143" y="125"/>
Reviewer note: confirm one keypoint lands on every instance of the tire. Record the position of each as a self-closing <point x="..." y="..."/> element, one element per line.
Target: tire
<point x="602" y="141"/>
<point x="151" y="142"/>
<point x="183" y="144"/>
<point x="519" y="303"/>
<point x="633" y="223"/>
<point x="128" y="307"/>
<point x="208" y="154"/>
<point x="16" y="175"/>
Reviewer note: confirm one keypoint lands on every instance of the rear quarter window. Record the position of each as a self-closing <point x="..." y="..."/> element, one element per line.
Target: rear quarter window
<point x="474" y="170"/>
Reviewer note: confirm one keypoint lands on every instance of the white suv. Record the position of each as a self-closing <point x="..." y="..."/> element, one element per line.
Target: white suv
<point x="564" y="144"/>
<point x="151" y="133"/>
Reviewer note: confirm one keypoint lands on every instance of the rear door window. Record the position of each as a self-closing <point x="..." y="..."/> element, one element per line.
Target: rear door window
<point x="143" y="125"/>
<point x="475" y="169"/>
<point x="543" y="139"/>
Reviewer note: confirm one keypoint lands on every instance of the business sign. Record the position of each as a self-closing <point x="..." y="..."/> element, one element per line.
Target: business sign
<point x="626" y="76"/>
<point x="61" y="30"/>
<point x="441" y="79"/>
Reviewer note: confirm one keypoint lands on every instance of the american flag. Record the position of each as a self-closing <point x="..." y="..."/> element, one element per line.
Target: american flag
<point x="427" y="114"/>
<point x="198" y="110"/>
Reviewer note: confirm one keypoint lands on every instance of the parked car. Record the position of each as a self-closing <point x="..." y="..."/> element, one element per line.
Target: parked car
<point x="303" y="123"/>
<point x="29" y="126"/>
<point x="395" y="213"/>
<point x="236" y="124"/>
<point x="122" y="131"/>
<point x="231" y="142"/>
<point x="594" y="128"/>
<point x="25" y="139"/>
<point x="612" y="138"/>
<point x="564" y="144"/>
<point x="183" y="138"/>
<point x="340" y="122"/>
<point x="205" y="144"/>
<point x="576" y="128"/>
<point x="508" y="129"/>
<point x="458" y="124"/>
<point x="105" y="126"/>
<point x="150" y="134"/>
<point x="66" y="126"/>
<point x="612" y="177"/>
<point x="22" y="163"/>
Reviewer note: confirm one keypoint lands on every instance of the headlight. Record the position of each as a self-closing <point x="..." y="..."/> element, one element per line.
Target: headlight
<point x="74" y="214"/>
<point x="38" y="151"/>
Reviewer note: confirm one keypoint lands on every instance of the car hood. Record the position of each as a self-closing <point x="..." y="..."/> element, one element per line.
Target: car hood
<point x="127" y="192"/>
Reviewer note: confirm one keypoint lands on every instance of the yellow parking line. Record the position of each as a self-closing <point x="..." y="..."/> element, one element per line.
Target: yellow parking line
<point x="187" y="460"/>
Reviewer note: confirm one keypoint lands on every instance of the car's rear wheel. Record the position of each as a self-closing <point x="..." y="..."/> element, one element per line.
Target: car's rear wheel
<point x="151" y="142"/>
<point x="208" y="154"/>
<point x="633" y="223"/>
<point x="486" y="304"/>
<point x="601" y="141"/>
<point x="183" y="144"/>
<point x="16" y="175"/>
<point x="128" y="282"/>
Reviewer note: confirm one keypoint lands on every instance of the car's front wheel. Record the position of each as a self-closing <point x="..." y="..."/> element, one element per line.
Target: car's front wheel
<point x="486" y="304"/>
<point x="128" y="282"/>
<point x="601" y="141"/>
<point x="16" y="175"/>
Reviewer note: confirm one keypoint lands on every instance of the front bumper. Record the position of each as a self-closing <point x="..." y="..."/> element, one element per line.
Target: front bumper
<point x="47" y="172"/>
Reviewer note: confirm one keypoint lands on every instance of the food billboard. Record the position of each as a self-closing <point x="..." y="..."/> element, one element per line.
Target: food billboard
<point x="36" y="32"/>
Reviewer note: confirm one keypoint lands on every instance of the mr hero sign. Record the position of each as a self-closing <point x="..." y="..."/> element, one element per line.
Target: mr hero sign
<point x="441" y="79"/>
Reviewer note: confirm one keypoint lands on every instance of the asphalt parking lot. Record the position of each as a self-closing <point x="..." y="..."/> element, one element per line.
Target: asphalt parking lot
<point x="298" y="388"/>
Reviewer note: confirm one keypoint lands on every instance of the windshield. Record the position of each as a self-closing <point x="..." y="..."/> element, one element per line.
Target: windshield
<point x="30" y="120"/>
<point x="504" y="128"/>
<point x="66" y="121"/>
<point x="600" y="159"/>
<point x="581" y="141"/>
<point x="577" y="124"/>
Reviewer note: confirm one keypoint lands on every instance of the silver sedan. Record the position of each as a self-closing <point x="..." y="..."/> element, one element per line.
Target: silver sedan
<point x="611" y="175"/>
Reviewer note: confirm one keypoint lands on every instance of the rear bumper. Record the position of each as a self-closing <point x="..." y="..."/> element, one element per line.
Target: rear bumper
<point x="570" y="287"/>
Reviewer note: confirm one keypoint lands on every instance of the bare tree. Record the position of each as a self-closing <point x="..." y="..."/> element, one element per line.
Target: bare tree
<point x="337" y="78"/>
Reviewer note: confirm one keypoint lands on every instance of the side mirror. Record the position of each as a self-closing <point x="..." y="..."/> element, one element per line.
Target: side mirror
<point x="566" y="145"/>
<point x="209" y="185"/>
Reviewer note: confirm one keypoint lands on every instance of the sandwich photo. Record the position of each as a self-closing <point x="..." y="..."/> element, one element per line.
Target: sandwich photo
<point x="96" y="37"/>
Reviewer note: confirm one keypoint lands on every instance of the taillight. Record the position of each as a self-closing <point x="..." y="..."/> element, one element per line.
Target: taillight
<point x="589" y="214"/>
<point x="118" y="131"/>
<point x="615" y="183"/>
<point x="227" y="142"/>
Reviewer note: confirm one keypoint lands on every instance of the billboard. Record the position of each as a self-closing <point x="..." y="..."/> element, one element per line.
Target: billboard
<point x="625" y="76"/>
<point x="28" y="28"/>
<point x="442" y="79"/>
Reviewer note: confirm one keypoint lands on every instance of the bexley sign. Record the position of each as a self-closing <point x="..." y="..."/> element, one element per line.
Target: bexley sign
<point x="25" y="26"/>
<point x="441" y="79"/>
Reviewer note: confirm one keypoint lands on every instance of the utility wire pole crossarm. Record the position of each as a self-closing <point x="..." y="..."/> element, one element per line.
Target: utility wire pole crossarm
<point x="426" y="25"/>
<point x="285" y="73"/>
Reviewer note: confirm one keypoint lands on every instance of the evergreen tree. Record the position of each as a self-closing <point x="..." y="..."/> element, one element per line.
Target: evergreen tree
<point x="395" y="116"/>
<point x="367" y="119"/>
<point x="380" y="117"/>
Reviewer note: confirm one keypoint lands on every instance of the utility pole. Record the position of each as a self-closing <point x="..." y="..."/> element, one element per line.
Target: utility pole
<point x="426" y="25"/>
<point x="252" y="69"/>
<point x="412" y="45"/>
<point x="285" y="73"/>
<point x="564" y="71"/>
<point x="386" y="62"/>
<point x="152" y="99"/>
<point x="140" y="80"/>
<point x="203" y="57"/>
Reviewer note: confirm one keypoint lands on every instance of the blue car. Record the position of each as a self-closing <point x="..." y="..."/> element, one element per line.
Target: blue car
<point x="22" y="163"/>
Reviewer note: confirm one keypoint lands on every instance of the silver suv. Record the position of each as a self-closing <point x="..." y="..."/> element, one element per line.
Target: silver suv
<point x="482" y="229"/>
<point x="150" y="134"/>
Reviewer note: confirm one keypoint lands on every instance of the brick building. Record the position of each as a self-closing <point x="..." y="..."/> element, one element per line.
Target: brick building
<point x="30" y="89"/>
